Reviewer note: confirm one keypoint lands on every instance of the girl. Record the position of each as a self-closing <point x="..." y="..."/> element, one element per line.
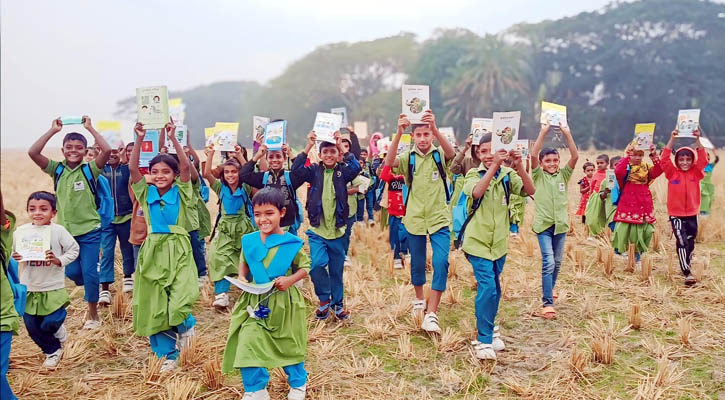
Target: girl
<point x="707" y="189"/>
<point x="585" y="188"/>
<point x="165" y="284"/>
<point x="598" y="208"/>
<point x="232" y="223"/>
<point x="269" y="330"/>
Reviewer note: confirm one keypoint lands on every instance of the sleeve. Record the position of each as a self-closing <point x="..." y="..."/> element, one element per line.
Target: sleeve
<point x="666" y="163"/>
<point x="620" y="170"/>
<point x="140" y="190"/>
<point x="470" y="181"/>
<point x="517" y="184"/>
<point x="251" y="178"/>
<point x="50" y="169"/>
<point x="299" y="161"/>
<point x="386" y="174"/>
<point x="456" y="166"/>
<point x="94" y="169"/>
<point x="701" y="159"/>
<point x="566" y="173"/>
<point x="302" y="260"/>
<point x="351" y="168"/>
<point x="186" y="192"/>
<point x="217" y="186"/>
<point x="655" y="171"/>
<point x="68" y="245"/>
<point x="536" y="174"/>
<point x="402" y="168"/>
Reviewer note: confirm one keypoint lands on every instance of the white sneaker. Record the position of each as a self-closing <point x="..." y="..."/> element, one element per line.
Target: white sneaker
<point x="127" y="285"/>
<point x="397" y="264"/>
<point x="347" y="261"/>
<point x="92" y="324"/>
<point x="104" y="298"/>
<point x="430" y="323"/>
<point x="52" y="360"/>
<point x="407" y="259"/>
<point x="169" y="365"/>
<point x="221" y="300"/>
<point x="185" y="338"/>
<point x="203" y="280"/>
<point x="418" y="307"/>
<point x="61" y="334"/>
<point x="497" y="343"/>
<point x="297" y="393"/>
<point x="258" y="395"/>
<point x="483" y="351"/>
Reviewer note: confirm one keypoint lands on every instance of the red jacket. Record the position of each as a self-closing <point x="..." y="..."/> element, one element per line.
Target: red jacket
<point x="683" y="189"/>
<point x="396" y="203"/>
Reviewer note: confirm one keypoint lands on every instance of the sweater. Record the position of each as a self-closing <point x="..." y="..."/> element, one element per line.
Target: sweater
<point x="42" y="276"/>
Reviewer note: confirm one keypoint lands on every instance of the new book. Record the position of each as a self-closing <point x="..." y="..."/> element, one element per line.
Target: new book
<point x="361" y="129"/>
<point x="71" y="120"/>
<point x="326" y="125"/>
<point x="644" y="136"/>
<point x="149" y="147"/>
<point x="182" y="135"/>
<point x="111" y="132"/>
<point x="553" y="114"/>
<point x="449" y="134"/>
<point x="480" y="127"/>
<point x="275" y="134"/>
<point x="342" y="111"/>
<point x="210" y="136"/>
<point x="177" y="111"/>
<point x="505" y="130"/>
<point x="32" y="242"/>
<point x="687" y="122"/>
<point x="226" y="135"/>
<point x="152" y="105"/>
<point x="258" y="124"/>
<point x="415" y="99"/>
<point x="522" y="146"/>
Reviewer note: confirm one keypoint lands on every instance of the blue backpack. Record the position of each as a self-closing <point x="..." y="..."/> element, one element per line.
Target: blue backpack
<point x="461" y="215"/>
<point x="101" y="190"/>
<point x="203" y="190"/>
<point x="441" y="172"/>
<point x="20" y="291"/>
<point x="300" y="217"/>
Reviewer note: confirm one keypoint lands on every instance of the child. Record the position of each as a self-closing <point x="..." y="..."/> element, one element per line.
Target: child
<point x="9" y="320"/>
<point x="599" y="205"/>
<point x="551" y="217"/>
<point x="77" y="210"/>
<point x="362" y="197"/>
<point x="683" y="197"/>
<point x="427" y="213"/>
<point x="279" y="337"/>
<point x="165" y="281"/>
<point x="47" y="298"/>
<point x="397" y="234"/>
<point x="328" y="211"/>
<point x="707" y="189"/>
<point x="485" y="239"/>
<point x="517" y="204"/>
<point x="635" y="216"/>
<point x="200" y="224"/>
<point x="90" y="155"/>
<point x="233" y="223"/>
<point x="585" y="189"/>
<point x="353" y="189"/>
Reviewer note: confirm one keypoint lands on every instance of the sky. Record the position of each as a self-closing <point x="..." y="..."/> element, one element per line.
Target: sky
<point x="80" y="57"/>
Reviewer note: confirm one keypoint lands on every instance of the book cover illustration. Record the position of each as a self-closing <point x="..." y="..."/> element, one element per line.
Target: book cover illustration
<point x="149" y="147"/>
<point x="33" y="241"/>
<point x="480" y="127"/>
<point x="687" y="122"/>
<point x="644" y="136"/>
<point x="416" y="100"/>
<point x="274" y="135"/>
<point x="152" y="106"/>
<point x="182" y="135"/>
<point x="341" y="111"/>
<point x="326" y="124"/>
<point x="111" y="132"/>
<point x="226" y="135"/>
<point x="553" y="114"/>
<point x="506" y="130"/>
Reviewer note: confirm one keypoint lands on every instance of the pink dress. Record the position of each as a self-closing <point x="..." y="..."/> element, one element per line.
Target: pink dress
<point x="635" y="201"/>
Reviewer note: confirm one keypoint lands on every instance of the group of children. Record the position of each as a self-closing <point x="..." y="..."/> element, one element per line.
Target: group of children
<point x="161" y="221"/>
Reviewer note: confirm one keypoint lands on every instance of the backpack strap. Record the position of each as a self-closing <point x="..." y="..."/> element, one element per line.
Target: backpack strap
<point x="265" y="178"/>
<point x="88" y="174"/>
<point x="507" y="188"/>
<point x="56" y="176"/>
<point x="287" y="179"/>
<point x="474" y="207"/>
<point x="442" y="173"/>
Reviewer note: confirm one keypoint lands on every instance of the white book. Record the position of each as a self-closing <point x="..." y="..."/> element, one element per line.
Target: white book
<point x="480" y="127"/>
<point x="33" y="241"/>
<point x="152" y="106"/>
<point x="415" y="101"/>
<point x="326" y="124"/>
<point x="342" y="111"/>
<point x="258" y="124"/>
<point x="274" y="135"/>
<point x="687" y="122"/>
<point x="249" y="287"/>
<point x="182" y="135"/>
<point x="505" y="130"/>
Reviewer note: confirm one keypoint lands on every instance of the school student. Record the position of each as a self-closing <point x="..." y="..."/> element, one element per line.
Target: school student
<point x="274" y="335"/>
<point x="486" y="234"/>
<point x="707" y="188"/>
<point x="77" y="205"/>
<point x="200" y="225"/>
<point x="47" y="297"/>
<point x="166" y="283"/>
<point x="9" y="320"/>
<point x="683" y="196"/>
<point x="328" y="212"/>
<point x="397" y="235"/>
<point x="551" y="217"/>
<point x="426" y="215"/>
<point x="585" y="189"/>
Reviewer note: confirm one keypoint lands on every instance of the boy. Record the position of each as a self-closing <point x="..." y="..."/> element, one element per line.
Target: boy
<point x="427" y="213"/>
<point x="397" y="234"/>
<point x="77" y="206"/>
<point x="328" y="211"/>
<point x="47" y="297"/>
<point x="9" y="320"/>
<point x="485" y="238"/>
<point x="353" y="189"/>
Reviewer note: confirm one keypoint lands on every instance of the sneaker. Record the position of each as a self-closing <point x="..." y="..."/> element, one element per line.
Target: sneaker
<point x="690" y="280"/>
<point x="185" y="338"/>
<point x="418" y="307"/>
<point x="221" y="300"/>
<point x="323" y="311"/>
<point x="127" y="285"/>
<point x="61" y="334"/>
<point x="258" y="395"/>
<point x="52" y="359"/>
<point x="203" y="280"/>
<point x="347" y="261"/>
<point x="483" y="351"/>
<point x="397" y="264"/>
<point x="169" y="365"/>
<point x="497" y="343"/>
<point x="297" y="393"/>
<point x="371" y="222"/>
<point x="92" y="324"/>
<point x="430" y="323"/>
<point x="104" y="298"/>
<point x="341" y="314"/>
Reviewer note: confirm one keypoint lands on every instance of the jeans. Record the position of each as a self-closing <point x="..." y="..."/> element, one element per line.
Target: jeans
<point x="197" y="247"/>
<point x="84" y="270"/>
<point x="6" y="339"/>
<point x="42" y="327"/>
<point x="328" y="262"/>
<point x="441" y="243"/>
<point x="256" y="378"/>
<point x="108" y="248"/>
<point x="360" y="210"/>
<point x="552" y="249"/>
<point x="370" y="203"/>
<point x="488" y="294"/>
<point x="164" y="343"/>
<point x="348" y="233"/>
<point x="398" y="236"/>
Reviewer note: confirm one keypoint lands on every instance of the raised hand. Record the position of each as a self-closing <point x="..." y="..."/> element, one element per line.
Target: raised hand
<point x="139" y="129"/>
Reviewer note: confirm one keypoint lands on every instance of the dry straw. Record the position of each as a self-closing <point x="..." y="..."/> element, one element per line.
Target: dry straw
<point x="635" y="316"/>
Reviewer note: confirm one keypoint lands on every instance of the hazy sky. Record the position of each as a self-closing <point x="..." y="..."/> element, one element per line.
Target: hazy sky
<point x="80" y="57"/>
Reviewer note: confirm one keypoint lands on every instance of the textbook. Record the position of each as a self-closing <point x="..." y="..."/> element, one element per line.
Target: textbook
<point x="416" y="100"/>
<point x="182" y="135"/>
<point x="364" y="185"/>
<point x="258" y="124"/>
<point x="177" y="110"/>
<point x="226" y="135"/>
<point x="71" y="120"/>
<point x="644" y="136"/>
<point x="275" y="134"/>
<point x="210" y="136"/>
<point x="553" y="114"/>
<point x="611" y="179"/>
<point x="361" y="129"/>
<point x="253" y="288"/>
<point x="342" y="111"/>
<point x="33" y="241"/>
<point x="480" y="127"/>
<point x="152" y="104"/>
<point x="706" y="143"/>
<point x="505" y="130"/>
<point x="687" y="122"/>
<point x="149" y="147"/>
<point x="404" y="143"/>
<point x="449" y="134"/>
<point x="111" y="132"/>
<point x="326" y="125"/>
<point x="522" y="146"/>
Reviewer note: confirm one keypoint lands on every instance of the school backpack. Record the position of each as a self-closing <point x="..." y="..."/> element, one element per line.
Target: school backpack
<point x="20" y="291"/>
<point x="100" y="188"/>
<point x="300" y="217"/>
<point x="441" y="173"/>
<point x="462" y="216"/>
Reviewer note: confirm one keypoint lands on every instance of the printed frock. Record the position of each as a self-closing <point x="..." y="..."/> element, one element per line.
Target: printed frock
<point x="584" y="197"/>
<point x="166" y="284"/>
<point x="280" y="339"/>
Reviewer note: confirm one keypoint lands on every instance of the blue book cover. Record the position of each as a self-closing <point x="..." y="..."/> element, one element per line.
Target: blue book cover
<point x="275" y="135"/>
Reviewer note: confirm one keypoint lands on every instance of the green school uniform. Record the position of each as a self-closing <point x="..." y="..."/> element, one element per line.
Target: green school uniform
<point x="76" y="204"/>
<point x="192" y="220"/>
<point x="9" y="320"/>
<point x="121" y="219"/>
<point x="551" y="201"/>
<point x="517" y="209"/>
<point x="226" y="245"/>
<point x="203" y="213"/>
<point x="327" y="229"/>
<point x="45" y="303"/>
<point x="426" y="211"/>
<point x="352" y="198"/>
<point x="488" y="232"/>
<point x="166" y="284"/>
<point x="707" y="190"/>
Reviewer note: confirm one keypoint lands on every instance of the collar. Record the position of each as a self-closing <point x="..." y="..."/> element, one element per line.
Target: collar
<point x="419" y="152"/>
<point x="257" y="251"/>
<point x="170" y="197"/>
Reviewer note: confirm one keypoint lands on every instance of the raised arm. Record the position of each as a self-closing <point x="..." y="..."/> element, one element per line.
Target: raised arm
<point x="136" y="153"/>
<point x="482" y="186"/>
<point x="35" y="150"/>
<point x="184" y="163"/>
<point x="520" y="169"/>
<point x="448" y="149"/>
<point x="538" y="145"/>
<point x="208" y="165"/>
<point x="391" y="158"/>
<point x="102" y="157"/>
<point x="572" y="146"/>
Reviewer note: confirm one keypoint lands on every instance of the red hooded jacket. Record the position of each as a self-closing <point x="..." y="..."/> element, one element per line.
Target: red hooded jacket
<point x="683" y="188"/>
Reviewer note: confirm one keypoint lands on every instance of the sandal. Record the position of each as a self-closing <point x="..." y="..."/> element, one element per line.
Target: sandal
<point x="548" y="312"/>
<point x="323" y="311"/>
<point x="341" y="314"/>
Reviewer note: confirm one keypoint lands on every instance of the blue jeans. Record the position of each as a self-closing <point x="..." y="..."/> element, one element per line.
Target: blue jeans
<point x="361" y="209"/>
<point x="164" y="343"/>
<point x="42" y="327"/>
<point x="84" y="270"/>
<point x="370" y="203"/>
<point x="108" y="248"/>
<point x="348" y="233"/>
<point x="6" y="339"/>
<point x="327" y="265"/>
<point x="552" y="249"/>
<point x="256" y="378"/>
<point x="197" y="248"/>
<point x="441" y="243"/>
<point x="398" y="236"/>
<point x="488" y="294"/>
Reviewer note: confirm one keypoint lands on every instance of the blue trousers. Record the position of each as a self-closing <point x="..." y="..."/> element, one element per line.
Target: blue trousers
<point x="84" y="270"/>
<point x="221" y="286"/>
<point x="370" y="203"/>
<point x="398" y="236"/>
<point x="441" y="242"/>
<point x="164" y="343"/>
<point x="513" y="228"/>
<point x="198" y="249"/>
<point x="552" y="250"/>
<point x="327" y="264"/>
<point x="488" y="294"/>
<point x="42" y="327"/>
<point x="6" y="339"/>
<point x="348" y="233"/>
<point x="360" y="215"/>
<point x="108" y="248"/>
<point x="256" y="378"/>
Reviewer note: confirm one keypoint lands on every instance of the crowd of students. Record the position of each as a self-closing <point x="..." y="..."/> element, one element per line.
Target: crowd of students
<point x="161" y="222"/>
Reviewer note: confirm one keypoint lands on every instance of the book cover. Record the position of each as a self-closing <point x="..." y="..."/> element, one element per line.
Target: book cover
<point x="553" y="114"/>
<point x="611" y="179"/>
<point x="341" y="111"/>
<point x="111" y="132"/>
<point x="258" y="124"/>
<point x="149" y="147"/>
<point x="226" y="135"/>
<point x="449" y="134"/>
<point x="275" y="134"/>
<point x="522" y="146"/>
<point x="480" y="127"/>
<point x="152" y="105"/>
<point x="505" y="130"/>
<point x="706" y="143"/>
<point x="416" y="100"/>
<point x="182" y="135"/>
<point x="403" y="144"/>
<point x="71" y="120"/>
<point x="361" y="129"/>
<point x="177" y="111"/>
<point x="249" y="287"/>
<point x="33" y="241"/>
<point x="326" y="125"/>
<point x="687" y="122"/>
<point x="210" y="136"/>
<point x="644" y="136"/>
